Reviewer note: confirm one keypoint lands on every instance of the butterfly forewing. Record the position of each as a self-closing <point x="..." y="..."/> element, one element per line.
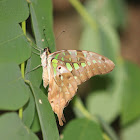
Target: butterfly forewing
<point x="69" y="68"/>
<point x="84" y="64"/>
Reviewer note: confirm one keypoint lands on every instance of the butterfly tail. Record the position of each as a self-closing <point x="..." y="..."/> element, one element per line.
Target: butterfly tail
<point x="63" y="118"/>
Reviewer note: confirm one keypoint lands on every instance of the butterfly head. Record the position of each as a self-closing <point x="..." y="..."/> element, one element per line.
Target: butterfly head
<point x="46" y="51"/>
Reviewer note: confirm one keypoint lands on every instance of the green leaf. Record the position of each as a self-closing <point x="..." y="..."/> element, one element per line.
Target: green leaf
<point x="14" y="11"/>
<point x="13" y="44"/>
<point x="109" y="98"/>
<point x="29" y="111"/>
<point x="131" y="95"/>
<point x="12" y="128"/>
<point x="131" y="132"/>
<point x="117" y="8"/>
<point x="35" y="125"/>
<point x="82" y="129"/>
<point x="99" y="102"/>
<point x="34" y="76"/>
<point x="45" y="114"/>
<point x="111" y="12"/>
<point x="41" y="14"/>
<point x="80" y="112"/>
<point x="14" y="92"/>
<point x="104" y="41"/>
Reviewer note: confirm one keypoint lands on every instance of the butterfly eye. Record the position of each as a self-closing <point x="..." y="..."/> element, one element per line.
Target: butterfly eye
<point x="45" y="49"/>
<point x="59" y="68"/>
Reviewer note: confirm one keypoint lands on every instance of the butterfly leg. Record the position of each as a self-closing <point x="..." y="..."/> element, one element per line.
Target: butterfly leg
<point x="32" y="43"/>
<point x="34" y="69"/>
<point x="36" y="53"/>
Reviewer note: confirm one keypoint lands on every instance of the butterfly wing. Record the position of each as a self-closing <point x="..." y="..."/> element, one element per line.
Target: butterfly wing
<point x="62" y="88"/>
<point x="84" y="64"/>
<point x="69" y="68"/>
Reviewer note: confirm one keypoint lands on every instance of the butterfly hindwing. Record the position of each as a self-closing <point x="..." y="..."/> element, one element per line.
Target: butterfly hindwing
<point x="62" y="88"/>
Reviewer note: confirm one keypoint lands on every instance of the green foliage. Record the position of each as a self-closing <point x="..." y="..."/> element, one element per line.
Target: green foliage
<point x="11" y="127"/>
<point x="111" y="96"/>
<point x="131" y="94"/>
<point x="29" y="111"/>
<point x="12" y="36"/>
<point x="132" y="131"/>
<point x="42" y="23"/>
<point x="16" y="49"/>
<point x="13" y="91"/>
<point x="82" y="129"/>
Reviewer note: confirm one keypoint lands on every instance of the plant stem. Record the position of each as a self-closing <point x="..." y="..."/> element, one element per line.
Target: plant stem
<point x="85" y="15"/>
<point x="79" y="106"/>
<point x="22" y="68"/>
<point x="24" y="27"/>
<point x="21" y="113"/>
<point x="106" y="137"/>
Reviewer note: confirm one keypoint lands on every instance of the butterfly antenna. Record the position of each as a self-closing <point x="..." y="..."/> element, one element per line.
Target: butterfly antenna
<point x="56" y="38"/>
<point x="60" y="34"/>
<point x="33" y="69"/>
<point x="45" y="36"/>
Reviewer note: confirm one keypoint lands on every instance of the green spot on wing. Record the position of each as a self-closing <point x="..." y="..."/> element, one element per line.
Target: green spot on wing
<point x="76" y="66"/>
<point x="83" y="64"/>
<point x="69" y="66"/>
<point x="56" y="56"/>
<point x="75" y="77"/>
<point x="70" y="59"/>
<point x="94" y="61"/>
<point x="54" y="61"/>
<point x="62" y="58"/>
<point x="89" y="63"/>
<point x="54" y="65"/>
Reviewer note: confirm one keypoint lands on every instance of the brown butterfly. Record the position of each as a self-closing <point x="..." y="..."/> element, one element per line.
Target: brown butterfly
<point x="66" y="69"/>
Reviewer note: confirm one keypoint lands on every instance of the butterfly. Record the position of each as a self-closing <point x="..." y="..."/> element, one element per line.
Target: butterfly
<point x="66" y="69"/>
